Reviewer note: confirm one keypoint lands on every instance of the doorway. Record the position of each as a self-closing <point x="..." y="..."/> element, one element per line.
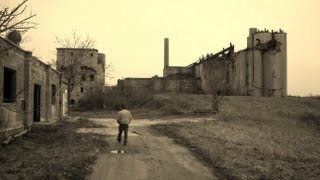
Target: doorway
<point x="37" y="103"/>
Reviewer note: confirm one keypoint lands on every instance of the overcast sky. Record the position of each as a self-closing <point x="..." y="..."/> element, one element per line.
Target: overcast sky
<point x="131" y="32"/>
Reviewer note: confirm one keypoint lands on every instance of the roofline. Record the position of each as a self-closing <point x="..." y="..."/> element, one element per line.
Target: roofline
<point x="89" y="49"/>
<point x="135" y="78"/>
<point x="14" y="45"/>
<point x="32" y="57"/>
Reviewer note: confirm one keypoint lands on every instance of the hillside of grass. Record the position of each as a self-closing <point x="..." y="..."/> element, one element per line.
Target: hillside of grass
<point x="255" y="137"/>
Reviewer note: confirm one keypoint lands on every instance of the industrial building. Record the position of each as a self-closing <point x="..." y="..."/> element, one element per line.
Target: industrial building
<point x="258" y="70"/>
<point x="88" y="66"/>
<point x="30" y="90"/>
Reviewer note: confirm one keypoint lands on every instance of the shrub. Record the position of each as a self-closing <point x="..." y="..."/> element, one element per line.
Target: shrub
<point x="311" y="118"/>
<point x="129" y="97"/>
<point x="92" y="100"/>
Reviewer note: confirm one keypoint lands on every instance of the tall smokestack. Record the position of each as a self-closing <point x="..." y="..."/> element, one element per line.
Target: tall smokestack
<point x="166" y="52"/>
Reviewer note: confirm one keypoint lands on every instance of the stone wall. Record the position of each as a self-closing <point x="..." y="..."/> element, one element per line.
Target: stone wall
<point x="11" y="113"/>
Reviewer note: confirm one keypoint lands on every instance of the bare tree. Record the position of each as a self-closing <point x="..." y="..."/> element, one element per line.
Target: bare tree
<point x="13" y="19"/>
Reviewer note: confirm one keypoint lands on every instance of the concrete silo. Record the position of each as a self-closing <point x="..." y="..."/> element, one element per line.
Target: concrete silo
<point x="257" y="72"/>
<point x="241" y="72"/>
<point x="282" y="38"/>
<point x="271" y="73"/>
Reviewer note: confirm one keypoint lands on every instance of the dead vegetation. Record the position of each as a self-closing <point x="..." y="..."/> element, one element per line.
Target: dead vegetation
<point x="257" y="138"/>
<point x="53" y="151"/>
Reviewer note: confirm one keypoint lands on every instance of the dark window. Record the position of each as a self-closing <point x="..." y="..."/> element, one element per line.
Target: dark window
<point x="71" y="54"/>
<point x="81" y="89"/>
<point x="72" y="101"/>
<point x="91" y="77"/>
<point x="91" y="54"/>
<point x="9" y="85"/>
<point x="53" y="94"/>
<point x="83" y="77"/>
<point x="99" y="60"/>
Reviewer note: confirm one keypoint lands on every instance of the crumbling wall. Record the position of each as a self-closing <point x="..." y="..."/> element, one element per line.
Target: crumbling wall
<point x="136" y="83"/>
<point x="217" y="75"/>
<point x="178" y="85"/>
<point x="177" y="71"/>
<point x="11" y="114"/>
<point x="159" y="85"/>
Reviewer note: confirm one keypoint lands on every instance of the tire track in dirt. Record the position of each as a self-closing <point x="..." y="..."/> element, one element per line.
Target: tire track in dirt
<point x="147" y="156"/>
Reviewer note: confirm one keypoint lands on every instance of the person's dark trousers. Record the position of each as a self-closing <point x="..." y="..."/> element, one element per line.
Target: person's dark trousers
<point x="123" y="127"/>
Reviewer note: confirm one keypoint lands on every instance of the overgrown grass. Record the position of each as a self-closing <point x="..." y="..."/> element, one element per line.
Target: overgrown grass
<point x="52" y="152"/>
<point x="257" y="138"/>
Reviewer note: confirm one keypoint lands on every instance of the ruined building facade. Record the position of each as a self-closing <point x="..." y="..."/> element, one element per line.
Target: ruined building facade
<point x="88" y="69"/>
<point x="258" y="70"/>
<point x="30" y="90"/>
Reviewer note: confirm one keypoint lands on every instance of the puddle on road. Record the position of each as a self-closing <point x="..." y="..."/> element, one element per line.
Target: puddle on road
<point x="117" y="152"/>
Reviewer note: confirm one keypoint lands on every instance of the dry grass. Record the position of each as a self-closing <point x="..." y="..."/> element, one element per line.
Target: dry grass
<point x="258" y="138"/>
<point x="52" y="152"/>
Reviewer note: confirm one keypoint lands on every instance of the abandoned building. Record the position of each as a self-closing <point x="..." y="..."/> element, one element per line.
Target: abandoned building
<point x="30" y="90"/>
<point x="258" y="70"/>
<point x="88" y="69"/>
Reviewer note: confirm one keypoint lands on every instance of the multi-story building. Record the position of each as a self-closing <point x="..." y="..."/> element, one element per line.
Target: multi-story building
<point x="86" y="69"/>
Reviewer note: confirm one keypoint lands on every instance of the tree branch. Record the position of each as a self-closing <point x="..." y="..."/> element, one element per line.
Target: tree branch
<point x="10" y="19"/>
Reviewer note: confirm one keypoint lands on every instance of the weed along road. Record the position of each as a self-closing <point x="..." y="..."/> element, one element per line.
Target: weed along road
<point x="148" y="155"/>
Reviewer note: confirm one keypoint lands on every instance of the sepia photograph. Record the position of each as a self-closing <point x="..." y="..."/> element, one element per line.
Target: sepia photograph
<point x="159" y="90"/>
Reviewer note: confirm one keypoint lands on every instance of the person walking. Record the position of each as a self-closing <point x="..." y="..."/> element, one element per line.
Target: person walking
<point x="124" y="118"/>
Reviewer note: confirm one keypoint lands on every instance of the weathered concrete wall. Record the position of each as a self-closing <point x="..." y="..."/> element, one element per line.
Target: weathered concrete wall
<point x="180" y="85"/>
<point x="217" y="75"/>
<point x="177" y="70"/>
<point x="136" y="83"/>
<point x="158" y="85"/>
<point x="257" y="73"/>
<point x="11" y="114"/>
<point x="241" y="69"/>
<point x="282" y="38"/>
<point x="272" y="74"/>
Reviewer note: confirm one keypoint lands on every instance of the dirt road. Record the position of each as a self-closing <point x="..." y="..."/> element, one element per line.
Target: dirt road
<point x="147" y="156"/>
